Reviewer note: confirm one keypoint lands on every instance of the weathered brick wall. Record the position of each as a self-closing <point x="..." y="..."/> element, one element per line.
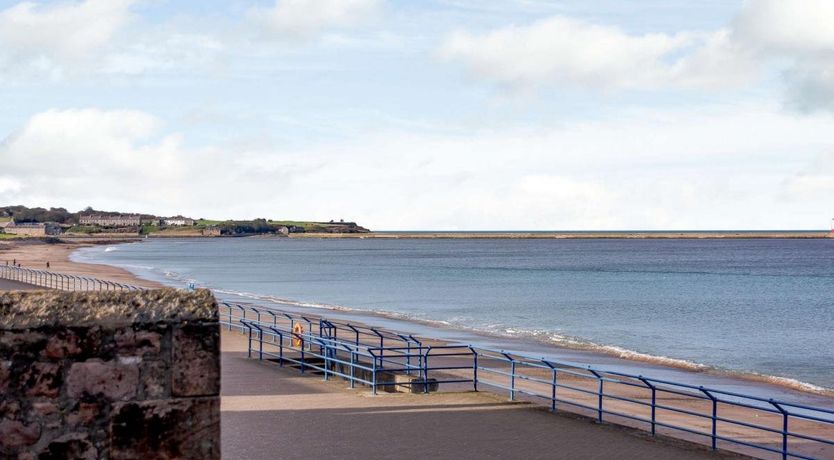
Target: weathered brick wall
<point x="109" y="375"/>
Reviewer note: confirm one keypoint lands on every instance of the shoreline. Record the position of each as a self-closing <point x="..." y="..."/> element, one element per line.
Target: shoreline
<point x="720" y="234"/>
<point x="581" y="352"/>
<point x="590" y="353"/>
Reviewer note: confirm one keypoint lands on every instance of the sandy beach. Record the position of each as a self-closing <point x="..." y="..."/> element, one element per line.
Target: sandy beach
<point x="35" y="254"/>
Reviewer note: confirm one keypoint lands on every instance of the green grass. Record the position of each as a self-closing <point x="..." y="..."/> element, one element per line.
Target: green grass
<point x="83" y="229"/>
<point x="148" y="228"/>
<point x="9" y="236"/>
<point x="307" y="226"/>
<point x="208" y="223"/>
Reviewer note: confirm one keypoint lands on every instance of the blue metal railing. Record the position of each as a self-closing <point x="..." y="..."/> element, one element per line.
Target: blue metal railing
<point x="373" y="356"/>
<point x="62" y="281"/>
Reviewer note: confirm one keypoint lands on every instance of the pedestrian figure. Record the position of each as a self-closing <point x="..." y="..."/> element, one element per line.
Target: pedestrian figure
<point x="47" y="265"/>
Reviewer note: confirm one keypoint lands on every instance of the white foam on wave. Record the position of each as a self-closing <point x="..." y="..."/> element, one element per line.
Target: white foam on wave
<point x="496" y="329"/>
<point x="548" y="336"/>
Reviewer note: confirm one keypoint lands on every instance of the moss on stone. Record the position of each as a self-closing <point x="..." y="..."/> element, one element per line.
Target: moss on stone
<point x="34" y="309"/>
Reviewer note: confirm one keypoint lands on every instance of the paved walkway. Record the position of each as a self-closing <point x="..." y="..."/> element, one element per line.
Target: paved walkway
<point x="269" y="412"/>
<point x="7" y="285"/>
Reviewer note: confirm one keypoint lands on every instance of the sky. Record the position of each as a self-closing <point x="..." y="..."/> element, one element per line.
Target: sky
<point x="425" y="115"/>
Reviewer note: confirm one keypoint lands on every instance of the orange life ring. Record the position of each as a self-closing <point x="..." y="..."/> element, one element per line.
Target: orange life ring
<point x="298" y="329"/>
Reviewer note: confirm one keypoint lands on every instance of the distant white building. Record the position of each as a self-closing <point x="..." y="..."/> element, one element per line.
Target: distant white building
<point x="178" y="222"/>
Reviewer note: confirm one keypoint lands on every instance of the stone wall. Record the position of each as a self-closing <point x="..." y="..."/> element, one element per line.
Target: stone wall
<point x="109" y="375"/>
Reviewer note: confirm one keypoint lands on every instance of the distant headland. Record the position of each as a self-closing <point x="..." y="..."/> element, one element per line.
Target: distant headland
<point x="21" y="222"/>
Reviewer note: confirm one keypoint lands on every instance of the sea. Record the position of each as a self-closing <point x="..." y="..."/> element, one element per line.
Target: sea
<point x="717" y="311"/>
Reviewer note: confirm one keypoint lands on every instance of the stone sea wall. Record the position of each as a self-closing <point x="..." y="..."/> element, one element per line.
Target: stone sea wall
<point x="109" y="375"/>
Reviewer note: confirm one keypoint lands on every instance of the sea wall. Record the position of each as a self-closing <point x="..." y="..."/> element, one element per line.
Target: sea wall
<point x="109" y="375"/>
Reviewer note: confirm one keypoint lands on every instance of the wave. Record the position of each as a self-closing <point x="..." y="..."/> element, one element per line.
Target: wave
<point x="550" y="338"/>
<point x="502" y="330"/>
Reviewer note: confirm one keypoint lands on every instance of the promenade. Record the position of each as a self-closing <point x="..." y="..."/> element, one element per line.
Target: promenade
<point x="268" y="412"/>
<point x="8" y="285"/>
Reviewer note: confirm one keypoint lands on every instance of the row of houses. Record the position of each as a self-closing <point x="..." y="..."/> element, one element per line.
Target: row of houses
<point x="133" y="220"/>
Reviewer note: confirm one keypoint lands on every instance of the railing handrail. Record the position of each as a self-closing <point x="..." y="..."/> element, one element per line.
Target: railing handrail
<point x="62" y="281"/>
<point x="395" y="356"/>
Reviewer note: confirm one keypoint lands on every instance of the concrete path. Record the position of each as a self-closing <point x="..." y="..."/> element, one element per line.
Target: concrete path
<point x="8" y="285"/>
<point x="268" y="413"/>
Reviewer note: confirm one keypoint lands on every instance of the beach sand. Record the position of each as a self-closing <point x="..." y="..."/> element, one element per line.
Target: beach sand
<point x="35" y="254"/>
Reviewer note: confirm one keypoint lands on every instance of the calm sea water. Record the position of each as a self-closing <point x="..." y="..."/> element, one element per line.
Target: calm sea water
<point x="761" y="306"/>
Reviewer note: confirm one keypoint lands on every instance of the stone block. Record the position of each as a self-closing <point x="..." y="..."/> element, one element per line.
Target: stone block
<point x="5" y="376"/>
<point x="84" y="414"/>
<point x="15" y="434"/>
<point x="166" y="429"/>
<point x="42" y="380"/>
<point x="74" y="446"/>
<point x="62" y="344"/>
<point x="155" y="380"/>
<point x="131" y="342"/>
<point x="24" y="342"/>
<point x="195" y="360"/>
<point x="112" y="380"/>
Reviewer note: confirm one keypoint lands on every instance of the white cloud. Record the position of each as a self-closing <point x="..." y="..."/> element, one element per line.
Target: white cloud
<point x="567" y="51"/>
<point x="47" y="37"/>
<point x="816" y="179"/>
<point x="305" y="19"/>
<point x="796" y="36"/>
<point x="684" y="170"/>
<point x="798" y="26"/>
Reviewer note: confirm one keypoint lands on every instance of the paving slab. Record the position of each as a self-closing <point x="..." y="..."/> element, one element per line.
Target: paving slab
<point x="269" y="412"/>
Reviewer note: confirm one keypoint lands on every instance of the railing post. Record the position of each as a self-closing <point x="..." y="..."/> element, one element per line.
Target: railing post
<point x="654" y="402"/>
<point x="552" y="384"/>
<point x="785" y="416"/>
<point x="714" y="400"/>
<point x="352" y="368"/>
<point x="373" y="376"/>
<point x="512" y="375"/>
<point x="249" y="354"/>
<point x="474" y="368"/>
<point x="600" y="392"/>
<point x="302" y="354"/>
<point x="426" y="370"/>
<point x="280" y="349"/>
<point x="260" y="343"/>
